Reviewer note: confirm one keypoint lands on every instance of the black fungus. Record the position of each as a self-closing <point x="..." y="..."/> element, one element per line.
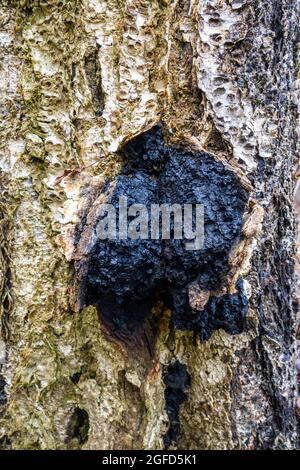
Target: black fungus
<point x="125" y="277"/>
<point x="228" y="312"/>
<point x="177" y="381"/>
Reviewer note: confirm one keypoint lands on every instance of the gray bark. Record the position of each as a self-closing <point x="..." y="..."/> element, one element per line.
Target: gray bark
<point x="78" y="79"/>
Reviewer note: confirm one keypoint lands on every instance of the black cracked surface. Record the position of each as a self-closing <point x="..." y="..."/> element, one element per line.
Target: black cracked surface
<point x="177" y="381"/>
<point x="125" y="277"/>
<point x="227" y="312"/>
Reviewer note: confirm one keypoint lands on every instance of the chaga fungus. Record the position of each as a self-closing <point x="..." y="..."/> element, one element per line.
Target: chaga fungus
<point x="177" y="381"/>
<point x="228" y="312"/>
<point x="124" y="276"/>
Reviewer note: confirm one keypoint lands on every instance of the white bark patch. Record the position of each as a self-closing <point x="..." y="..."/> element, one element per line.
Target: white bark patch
<point x="220" y="24"/>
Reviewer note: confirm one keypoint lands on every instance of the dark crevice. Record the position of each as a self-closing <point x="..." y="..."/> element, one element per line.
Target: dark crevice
<point x="78" y="428"/>
<point x="5" y="443"/>
<point x="6" y="299"/>
<point x="177" y="381"/>
<point x="75" y="377"/>
<point x="216" y="143"/>
<point x="93" y="74"/>
<point x="278" y="28"/>
<point x="3" y="397"/>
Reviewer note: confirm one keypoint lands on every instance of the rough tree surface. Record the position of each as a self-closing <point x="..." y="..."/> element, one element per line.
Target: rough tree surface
<point x="207" y="362"/>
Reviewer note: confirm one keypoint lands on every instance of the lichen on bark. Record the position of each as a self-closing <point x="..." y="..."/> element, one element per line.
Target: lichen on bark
<point x="78" y="80"/>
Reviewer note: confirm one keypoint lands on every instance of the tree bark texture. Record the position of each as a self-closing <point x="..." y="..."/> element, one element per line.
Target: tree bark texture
<point x="78" y="80"/>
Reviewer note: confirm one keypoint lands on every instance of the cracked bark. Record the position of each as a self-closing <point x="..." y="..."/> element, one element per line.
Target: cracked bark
<point x="78" y="80"/>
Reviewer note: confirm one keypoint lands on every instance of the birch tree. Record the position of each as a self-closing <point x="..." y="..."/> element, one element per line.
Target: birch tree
<point x="80" y="81"/>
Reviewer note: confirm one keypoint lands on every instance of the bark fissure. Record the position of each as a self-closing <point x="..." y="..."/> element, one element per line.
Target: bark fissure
<point x="79" y="80"/>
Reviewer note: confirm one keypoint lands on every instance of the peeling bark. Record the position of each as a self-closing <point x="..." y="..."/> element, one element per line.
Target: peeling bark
<point x="78" y="80"/>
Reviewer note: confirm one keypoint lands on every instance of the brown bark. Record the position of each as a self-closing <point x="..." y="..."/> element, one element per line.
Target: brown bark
<point x="78" y="79"/>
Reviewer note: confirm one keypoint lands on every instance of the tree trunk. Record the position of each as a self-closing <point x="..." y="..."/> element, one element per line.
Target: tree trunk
<point x="80" y="81"/>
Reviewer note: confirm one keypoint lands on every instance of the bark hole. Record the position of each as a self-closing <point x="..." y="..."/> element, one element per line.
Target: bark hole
<point x="216" y="142"/>
<point x="78" y="428"/>
<point x="3" y="396"/>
